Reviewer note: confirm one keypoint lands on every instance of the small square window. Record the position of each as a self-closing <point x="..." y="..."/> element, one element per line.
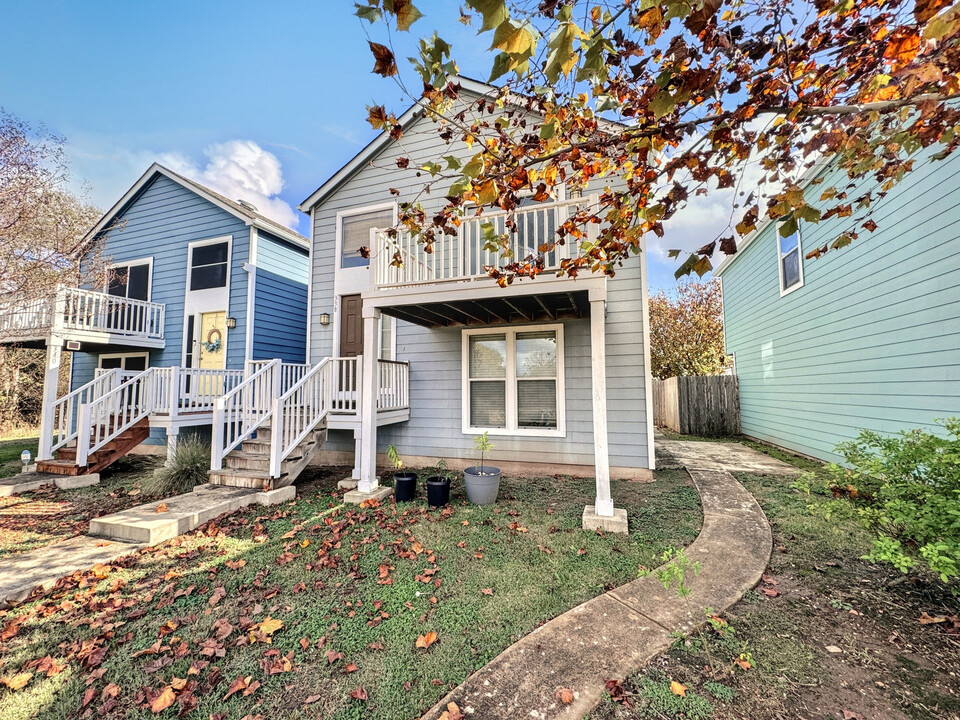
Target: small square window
<point x="355" y="234"/>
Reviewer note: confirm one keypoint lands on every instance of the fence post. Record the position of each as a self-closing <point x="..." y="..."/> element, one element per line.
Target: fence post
<point x="83" y="435"/>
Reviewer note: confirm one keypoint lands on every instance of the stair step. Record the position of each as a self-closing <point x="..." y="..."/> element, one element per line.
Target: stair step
<point x="234" y="477"/>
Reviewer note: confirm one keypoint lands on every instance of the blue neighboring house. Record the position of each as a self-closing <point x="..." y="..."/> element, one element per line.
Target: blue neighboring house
<point x="200" y="287"/>
<point x="864" y="337"/>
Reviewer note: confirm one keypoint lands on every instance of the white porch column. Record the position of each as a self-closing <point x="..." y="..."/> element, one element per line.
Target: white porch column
<point x="51" y="377"/>
<point x="357" y="454"/>
<point x="602" y="515"/>
<point x="368" y="401"/>
<point x="173" y="437"/>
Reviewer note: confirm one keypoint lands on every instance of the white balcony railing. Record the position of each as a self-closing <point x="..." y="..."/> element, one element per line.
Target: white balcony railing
<point x="86" y="313"/>
<point x="466" y="255"/>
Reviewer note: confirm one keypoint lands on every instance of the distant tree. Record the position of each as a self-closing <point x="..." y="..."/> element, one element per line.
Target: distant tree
<point x="704" y="89"/>
<point x="686" y="331"/>
<point x="43" y="226"/>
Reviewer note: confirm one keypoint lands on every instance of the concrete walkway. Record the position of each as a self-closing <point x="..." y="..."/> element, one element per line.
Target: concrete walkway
<point x="729" y="456"/>
<point x="21" y="574"/>
<point x="616" y="633"/>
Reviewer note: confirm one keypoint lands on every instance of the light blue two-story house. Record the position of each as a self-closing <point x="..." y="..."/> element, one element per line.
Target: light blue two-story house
<point x="200" y="288"/>
<point x="864" y="337"/>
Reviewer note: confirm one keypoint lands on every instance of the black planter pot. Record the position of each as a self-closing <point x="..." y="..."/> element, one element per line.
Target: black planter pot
<point x="405" y="486"/>
<point x="438" y="490"/>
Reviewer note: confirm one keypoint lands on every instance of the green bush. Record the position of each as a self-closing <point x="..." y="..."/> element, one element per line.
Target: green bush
<point x="906" y="490"/>
<point x="187" y="469"/>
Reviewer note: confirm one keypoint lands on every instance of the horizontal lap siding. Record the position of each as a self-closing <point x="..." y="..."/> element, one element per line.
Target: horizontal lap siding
<point x="871" y="340"/>
<point x="434" y="428"/>
<point x="280" y="301"/>
<point x="160" y="223"/>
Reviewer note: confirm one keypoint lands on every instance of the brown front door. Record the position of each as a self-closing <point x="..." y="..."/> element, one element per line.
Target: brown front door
<point x="351" y="326"/>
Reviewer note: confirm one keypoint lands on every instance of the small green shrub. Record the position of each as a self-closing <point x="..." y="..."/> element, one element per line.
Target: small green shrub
<point x="905" y="490"/>
<point x="721" y="692"/>
<point x="187" y="469"/>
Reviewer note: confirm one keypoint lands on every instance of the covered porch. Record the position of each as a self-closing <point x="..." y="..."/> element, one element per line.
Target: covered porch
<point x="481" y="308"/>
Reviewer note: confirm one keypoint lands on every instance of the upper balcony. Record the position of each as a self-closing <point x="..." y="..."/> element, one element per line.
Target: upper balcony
<point x="450" y="285"/>
<point x="85" y="316"/>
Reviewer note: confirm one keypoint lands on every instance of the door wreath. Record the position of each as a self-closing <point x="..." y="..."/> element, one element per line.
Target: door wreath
<point x="214" y="340"/>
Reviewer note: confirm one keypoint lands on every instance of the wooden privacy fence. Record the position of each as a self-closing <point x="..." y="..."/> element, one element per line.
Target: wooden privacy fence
<point x="698" y="405"/>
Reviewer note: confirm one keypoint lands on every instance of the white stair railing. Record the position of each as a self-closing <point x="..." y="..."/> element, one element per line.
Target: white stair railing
<point x="66" y="415"/>
<point x="298" y="411"/>
<point x="112" y="413"/>
<point x="393" y="384"/>
<point x="238" y="413"/>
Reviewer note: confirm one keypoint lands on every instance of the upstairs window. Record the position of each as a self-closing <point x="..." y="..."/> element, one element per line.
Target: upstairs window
<point x="355" y="234"/>
<point x="791" y="261"/>
<point x="130" y="280"/>
<point x="513" y="381"/>
<point x="208" y="266"/>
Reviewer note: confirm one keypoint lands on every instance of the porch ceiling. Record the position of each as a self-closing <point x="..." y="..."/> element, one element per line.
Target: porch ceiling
<point x="493" y="310"/>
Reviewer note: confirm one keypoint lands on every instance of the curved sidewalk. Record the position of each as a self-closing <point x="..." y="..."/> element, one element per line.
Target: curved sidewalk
<point x="616" y="633"/>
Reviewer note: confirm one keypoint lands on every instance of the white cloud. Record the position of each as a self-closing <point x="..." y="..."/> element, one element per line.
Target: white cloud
<point x="240" y="170"/>
<point x="237" y="169"/>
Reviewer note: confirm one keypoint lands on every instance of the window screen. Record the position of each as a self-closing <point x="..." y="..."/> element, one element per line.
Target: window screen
<point x="355" y="234"/>
<point x="208" y="266"/>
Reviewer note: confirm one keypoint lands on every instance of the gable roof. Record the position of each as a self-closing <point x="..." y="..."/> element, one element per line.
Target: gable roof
<point x="805" y="179"/>
<point x="235" y="208"/>
<point x="411" y="115"/>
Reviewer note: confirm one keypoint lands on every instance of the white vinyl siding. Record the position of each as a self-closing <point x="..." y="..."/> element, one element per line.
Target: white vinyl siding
<point x="513" y="381"/>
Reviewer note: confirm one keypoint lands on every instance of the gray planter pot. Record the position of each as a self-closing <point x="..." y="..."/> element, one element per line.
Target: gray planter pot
<point x="482" y="489"/>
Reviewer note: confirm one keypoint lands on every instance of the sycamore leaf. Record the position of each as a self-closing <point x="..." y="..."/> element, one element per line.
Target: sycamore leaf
<point x="359" y="694"/>
<point x="270" y="625"/>
<point x="513" y="39"/>
<point x="662" y="104"/>
<point x="164" y="700"/>
<point x="425" y="641"/>
<point x="564" y="695"/>
<point x="678" y="689"/>
<point x="494" y="12"/>
<point x="903" y="45"/>
<point x="702" y="266"/>
<point x="673" y="253"/>
<point x="487" y="192"/>
<point x="241" y="683"/>
<point x="368" y="13"/>
<point x="18" y="681"/>
<point x="404" y="11"/>
<point x="161" y="508"/>
<point x="386" y="64"/>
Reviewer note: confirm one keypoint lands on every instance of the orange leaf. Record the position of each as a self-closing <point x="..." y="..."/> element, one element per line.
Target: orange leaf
<point x="903" y="46"/>
<point x="564" y="695"/>
<point x="164" y="700"/>
<point x="487" y="591"/>
<point x="15" y="682"/>
<point x="678" y="689"/>
<point x="237" y="685"/>
<point x="270" y="625"/>
<point x="161" y="508"/>
<point x="425" y="641"/>
<point x="358" y="694"/>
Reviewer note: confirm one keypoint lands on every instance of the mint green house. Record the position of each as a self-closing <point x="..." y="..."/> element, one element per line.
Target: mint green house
<point x="864" y="337"/>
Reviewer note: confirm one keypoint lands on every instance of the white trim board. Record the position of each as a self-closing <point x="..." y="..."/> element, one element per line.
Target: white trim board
<point x="204" y="301"/>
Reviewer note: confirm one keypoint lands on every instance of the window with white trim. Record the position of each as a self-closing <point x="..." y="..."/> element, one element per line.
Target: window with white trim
<point x="355" y="234"/>
<point x="513" y="380"/>
<point x="208" y="266"/>
<point x="130" y="280"/>
<point x="791" y="261"/>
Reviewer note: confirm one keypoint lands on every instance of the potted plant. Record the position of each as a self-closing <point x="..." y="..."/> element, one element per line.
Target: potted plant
<point x="438" y="486"/>
<point x="482" y="482"/>
<point x="404" y="481"/>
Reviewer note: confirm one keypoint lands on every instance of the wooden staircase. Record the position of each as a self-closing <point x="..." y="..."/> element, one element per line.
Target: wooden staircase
<point x="65" y="462"/>
<point x="249" y="465"/>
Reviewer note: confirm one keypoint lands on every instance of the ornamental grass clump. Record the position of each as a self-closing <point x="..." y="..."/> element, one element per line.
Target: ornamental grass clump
<point x="185" y="470"/>
<point x="905" y="489"/>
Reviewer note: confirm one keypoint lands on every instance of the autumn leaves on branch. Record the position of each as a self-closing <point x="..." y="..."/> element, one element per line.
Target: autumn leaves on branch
<point x="653" y="103"/>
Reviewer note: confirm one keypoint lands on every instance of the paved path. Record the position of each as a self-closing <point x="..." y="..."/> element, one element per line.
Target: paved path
<point x="729" y="456"/>
<point x="616" y="633"/>
<point x="21" y="573"/>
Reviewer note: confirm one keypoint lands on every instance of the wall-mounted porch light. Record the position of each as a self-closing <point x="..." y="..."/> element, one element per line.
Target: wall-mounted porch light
<point x="231" y="322"/>
<point x="324" y="318"/>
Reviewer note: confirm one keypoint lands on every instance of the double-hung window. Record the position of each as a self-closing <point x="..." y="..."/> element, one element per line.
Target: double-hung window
<point x="791" y="261"/>
<point x="130" y="280"/>
<point x="513" y="381"/>
<point x="355" y="234"/>
<point x="208" y="266"/>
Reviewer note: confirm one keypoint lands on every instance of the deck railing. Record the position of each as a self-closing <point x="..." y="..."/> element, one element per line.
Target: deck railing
<point x="300" y="410"/>
<point x="75" y="310"/>
<point x="290" y="373"/>
<point x="239" y="412"/>
<point x="394" y="384"/>
<point x="465" y="256"/>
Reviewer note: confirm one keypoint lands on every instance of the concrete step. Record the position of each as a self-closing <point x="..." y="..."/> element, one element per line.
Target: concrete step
<point x="238" y="478"/>
<point x="182" y="513"/>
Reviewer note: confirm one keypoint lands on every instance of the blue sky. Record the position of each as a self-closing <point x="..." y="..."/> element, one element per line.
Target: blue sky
<point x="263" y="99"/>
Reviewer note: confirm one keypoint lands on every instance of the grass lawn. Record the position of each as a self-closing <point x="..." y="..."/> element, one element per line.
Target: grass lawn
<point x="829" y="635"/>
<point x="314" y="609"/>
<point x="47" y="515"/>
<point x="10" y="449"/>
